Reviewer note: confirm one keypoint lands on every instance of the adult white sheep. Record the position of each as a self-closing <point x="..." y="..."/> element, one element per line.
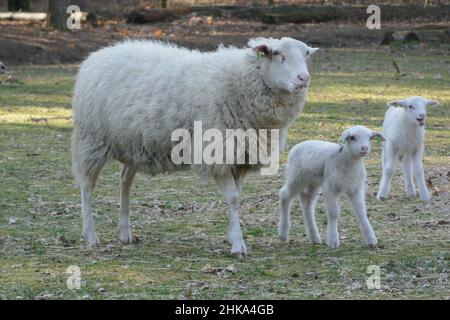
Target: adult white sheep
<point x="337" y="168"/>
<point x="404" y="127"/>
<point x="2" y="67"/>
<point x="130" y="97"/>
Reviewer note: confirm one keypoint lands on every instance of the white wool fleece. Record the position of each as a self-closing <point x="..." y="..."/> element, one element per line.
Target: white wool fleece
<point x="130" y="97"/>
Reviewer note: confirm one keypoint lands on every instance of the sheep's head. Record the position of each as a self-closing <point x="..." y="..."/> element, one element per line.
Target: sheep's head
<point x="2" y="68"/>
<point x="415" y="107"/>
<point x="357" y="139"/>
<point x="283" y="63"/>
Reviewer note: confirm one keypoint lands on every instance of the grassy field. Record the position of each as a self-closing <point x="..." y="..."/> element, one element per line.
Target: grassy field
<point x="180" y="222"/>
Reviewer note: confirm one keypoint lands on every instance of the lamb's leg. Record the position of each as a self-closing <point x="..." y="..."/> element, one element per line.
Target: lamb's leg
<point x="333" y="211"/>
<point x="389" y="163"/>
<point x="126" y="180"/>
<point x="308" y="202"/>
<point x="230" y="191"/>
<point x="420" y="178"/>
<point x="87" y="184"/>
<point x="408" y="177"/>
<point x="284" y="224"/>
<point x="357" y="202"/>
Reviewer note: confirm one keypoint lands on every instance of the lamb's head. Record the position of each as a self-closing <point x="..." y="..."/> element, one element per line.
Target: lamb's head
<point x="283" y="63"/>
<point x="415" y="108"/>
<point x="357" y="140"/>
<point x="2" y="68"/>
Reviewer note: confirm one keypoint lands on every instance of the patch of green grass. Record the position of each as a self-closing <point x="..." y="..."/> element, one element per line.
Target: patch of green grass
<point x="181" y="222"/>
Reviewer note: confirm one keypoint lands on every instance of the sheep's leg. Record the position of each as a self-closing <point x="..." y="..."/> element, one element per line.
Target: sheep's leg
<point x="408" y="177"/>
<point x="284" y="224"/>
<point x="230" y="191"/>
<point x="389" y="163"/>
<point x="87" y="184"/>
<point x="126" y="180"/>
<point x="333" y="211"/>
<point x="357" y="202"/>
<point x="308" y="202"/>
<point x="420" y="177"/>
<point x="239" y="178"/>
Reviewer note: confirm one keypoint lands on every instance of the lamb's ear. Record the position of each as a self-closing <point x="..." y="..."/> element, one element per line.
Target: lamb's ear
<point x="433" y="103"/>
<point x="344" y="137"/>
<point x="263" y="51"/>
<point x="397" y="103"/>
<point x="376" y="134"/>
<point x="312" y="50"/>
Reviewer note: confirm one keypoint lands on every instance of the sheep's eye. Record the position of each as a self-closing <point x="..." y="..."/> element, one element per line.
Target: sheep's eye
<point x="307" y="53"/>
<point x="277" y="53"/>
<point x="411" y="107"/>
<point x="352" y="138"/>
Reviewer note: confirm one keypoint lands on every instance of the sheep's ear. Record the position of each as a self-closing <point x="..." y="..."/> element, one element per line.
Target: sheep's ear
<point x="397" y="103"/>
<point x="432" y="103"/>
<point x="263" y="51"/>
<point x="312" y="50"/>
<point x="376" y="134"/>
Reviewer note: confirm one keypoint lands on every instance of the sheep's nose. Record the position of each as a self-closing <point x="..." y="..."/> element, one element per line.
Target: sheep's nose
<point x="421" y="116"/>
<point x="303" y="77"/>
<point x="365" y="148"/>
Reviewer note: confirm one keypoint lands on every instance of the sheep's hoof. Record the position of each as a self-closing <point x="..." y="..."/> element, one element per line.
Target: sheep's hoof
<point x="126" y="238"/>
<point x="283" y="234"/>
<point x="239" y="248"/>
<point x="381" y="198"/>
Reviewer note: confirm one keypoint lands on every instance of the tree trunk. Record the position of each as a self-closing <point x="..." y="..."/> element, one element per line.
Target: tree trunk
<point x="164" y="4"/>
<point x="288" y="13"/>
<point x="57" y="14"/>
<point x="19" y="5"/>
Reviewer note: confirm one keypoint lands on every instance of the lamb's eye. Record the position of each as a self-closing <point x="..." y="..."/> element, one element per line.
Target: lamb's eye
<point x="411" y="107"/>
<point x="352" y="138"/>
<point x="307" y="53"/>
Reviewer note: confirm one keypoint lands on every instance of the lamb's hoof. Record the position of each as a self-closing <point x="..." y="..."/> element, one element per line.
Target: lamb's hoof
<point x="381" y="198"/>
<point x="315" y="239"/>
<point x="126" y="238"/>
<point x="333" y="243"/>
<point x="372" y="241"/>
<point x="425" y="198"/>
<point x="283" y="234"/>
<point x="411" y="194"/>
<point x="92" y="240"/>
<point x="239" y="248"/>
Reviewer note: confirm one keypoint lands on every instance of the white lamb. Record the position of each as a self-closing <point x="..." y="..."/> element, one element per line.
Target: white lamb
<point x="404" y="127"/>
<point x="130" y="97"/>
<point x="337" y="168"/>
<point x="2" y="67"/>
